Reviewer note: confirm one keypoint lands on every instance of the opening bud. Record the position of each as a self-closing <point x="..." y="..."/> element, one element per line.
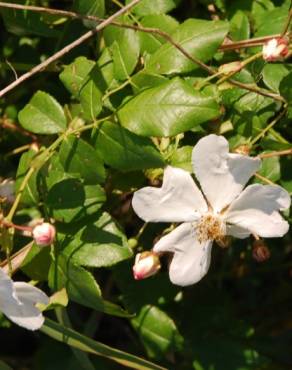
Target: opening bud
<point x="146" y="264"/>
<point x="275" y="49"/>
<point x="260" y="251"/>
<point x="44" y="234"/>
<point x="232" y="67"/>
<point x="243" y="149"/>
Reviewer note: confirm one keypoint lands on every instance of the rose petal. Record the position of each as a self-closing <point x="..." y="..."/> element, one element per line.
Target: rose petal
<point x="17" y="302"/>
<point x="191" y="260"/>
<point x="256" y="210"/>
<point x="178" y="200"/>
<point x="222" y="175"/>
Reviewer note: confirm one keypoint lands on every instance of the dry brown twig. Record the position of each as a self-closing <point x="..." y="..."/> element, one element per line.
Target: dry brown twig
<point x="111" y="21"/>
<point x="67" y="48"/>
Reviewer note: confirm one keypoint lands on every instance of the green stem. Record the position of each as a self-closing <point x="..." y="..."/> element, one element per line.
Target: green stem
<point x="20" y="191"/>
<point x="266" y="129"/>
<point x="113" y="91"/>
<point x="243" y="64"/>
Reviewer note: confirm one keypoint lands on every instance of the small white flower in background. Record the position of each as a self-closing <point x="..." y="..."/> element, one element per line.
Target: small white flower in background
<point x="224" y="209"/>
<point x="18" y="300"/>
<point x="146" y="264"/>
<point x="7" y="190"/>
<point x="44" y="234"/>
<point x="275" y="49"/>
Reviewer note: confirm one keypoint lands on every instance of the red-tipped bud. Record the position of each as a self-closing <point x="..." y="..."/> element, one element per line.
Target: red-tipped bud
<point x="260" y="251"/>
<point x="275" y="49"/>
<point x="146" y="264"/>
<point x="44" y="234"/>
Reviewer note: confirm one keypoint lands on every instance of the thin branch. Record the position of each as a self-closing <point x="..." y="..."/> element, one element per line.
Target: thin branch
<point x="67" y="48"/>
<point x="276" y="154"/>
<point x="8" y="124"/>
<point x="286" y="27"/>
<point x="258" y="41"/>
<point x="166" y="36"/>
<point x="264" y="179"/>
<point x="257" y="90"/>
<point x="270" y="125"/>
<point x="151" y="30"/>
<point x="69" y="14"/>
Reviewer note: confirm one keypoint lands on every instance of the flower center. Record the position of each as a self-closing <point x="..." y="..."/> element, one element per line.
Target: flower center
<point x="210" y="227"/>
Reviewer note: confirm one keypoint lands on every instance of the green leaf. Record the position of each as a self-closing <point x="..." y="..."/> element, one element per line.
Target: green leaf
<point x="90" y="7"/>
<point x="74" y="74"/>
<point x="78" y="157"/>
<point x="22" y="23"/>
<point x="101" y="244"/>
<point x="79" y="341"/>
<point x="90" y="98"/>
<point x="37" y="263"/>
<point x="80" y="286"/>
<point x="251" y="113"/>
<point x="271" y="22"/>
<point x="270" y="168"/>
<point x="239" y="26"/>
<point x="286" y="91"/>
<point x="199" y="38"/>
<point x="143" y="80"/>
<point x="286" y="88"/>
<point x="273" y="74"/>
<point x="79" y="283"/>
<point x="43" y="115"/>
<point x="69" y="200"/>
<point x="146" y="7"/>
<point x="125" y="151"/>
<point x="124" y="46"/>
<point x="182" y="158"/>
<point x="151" y="42"/>
<point x="157" y="331"/>
<point x="167" y="110"/>
<point x="4" y="366"/>
<point x="30" y="194"/>
<point x="286" y="175"/>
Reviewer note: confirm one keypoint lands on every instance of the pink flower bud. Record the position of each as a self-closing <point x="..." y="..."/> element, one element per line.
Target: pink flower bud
<point x="44" y="234"/>
<point x="260" y="251"/>
<point x="275" y="49"/>
<point x="146" y="264"/>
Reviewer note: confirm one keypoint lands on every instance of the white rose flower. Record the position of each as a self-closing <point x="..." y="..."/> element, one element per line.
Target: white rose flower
<point x="17" y="302"/>
<point x="224" y="209"/>
<point x="275" y="49"/>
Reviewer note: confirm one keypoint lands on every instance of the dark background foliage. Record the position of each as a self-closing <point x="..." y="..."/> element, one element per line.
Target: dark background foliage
<point x="239" y="316"/>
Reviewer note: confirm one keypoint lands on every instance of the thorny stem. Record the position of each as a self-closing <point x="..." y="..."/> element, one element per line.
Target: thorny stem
<point x="67" y="48"/>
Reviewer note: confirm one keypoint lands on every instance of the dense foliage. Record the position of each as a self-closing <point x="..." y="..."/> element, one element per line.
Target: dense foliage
<point x="100" y="122"/>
